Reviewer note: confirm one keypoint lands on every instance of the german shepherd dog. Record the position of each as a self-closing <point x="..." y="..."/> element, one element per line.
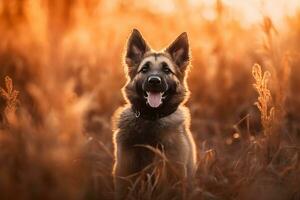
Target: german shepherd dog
<point x="154" y="115"/>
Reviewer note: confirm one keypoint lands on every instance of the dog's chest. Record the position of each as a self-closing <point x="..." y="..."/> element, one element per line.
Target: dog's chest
<point x="154" y="133"/>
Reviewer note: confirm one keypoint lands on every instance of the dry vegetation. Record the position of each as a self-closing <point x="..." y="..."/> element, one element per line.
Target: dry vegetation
<point x="60" y="79"/>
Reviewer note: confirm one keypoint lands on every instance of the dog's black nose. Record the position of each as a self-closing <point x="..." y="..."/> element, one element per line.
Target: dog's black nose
<point x="154" y="80"/>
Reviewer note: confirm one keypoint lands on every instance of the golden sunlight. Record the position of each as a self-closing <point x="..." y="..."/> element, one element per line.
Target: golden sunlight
<point x="90" y="110"/>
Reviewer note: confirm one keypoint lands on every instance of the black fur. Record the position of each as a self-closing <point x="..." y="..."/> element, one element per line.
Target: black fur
<point x="165" y="127"/>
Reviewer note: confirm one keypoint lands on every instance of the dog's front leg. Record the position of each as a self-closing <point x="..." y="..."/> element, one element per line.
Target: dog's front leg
<point x="123" y="168"/>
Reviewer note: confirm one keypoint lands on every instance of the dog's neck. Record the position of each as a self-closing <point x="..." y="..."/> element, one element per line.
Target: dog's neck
<point x="152" y="114"/>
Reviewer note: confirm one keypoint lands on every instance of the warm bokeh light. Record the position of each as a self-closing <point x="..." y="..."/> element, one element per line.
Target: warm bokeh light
<point x="66" y="68"/>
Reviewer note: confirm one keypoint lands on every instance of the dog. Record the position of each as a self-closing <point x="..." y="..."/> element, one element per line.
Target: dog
<point x="155" y="115"/>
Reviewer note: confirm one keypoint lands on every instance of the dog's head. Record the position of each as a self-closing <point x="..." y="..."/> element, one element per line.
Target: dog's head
<point x="156" y="80"/>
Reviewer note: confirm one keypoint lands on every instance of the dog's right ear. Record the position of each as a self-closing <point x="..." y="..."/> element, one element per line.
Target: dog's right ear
<point x="136" y="48"/>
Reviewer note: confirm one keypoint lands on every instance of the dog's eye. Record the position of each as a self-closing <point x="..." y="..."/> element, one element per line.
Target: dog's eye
<point x="165" y="68"/>
<point x="145" y="68"/>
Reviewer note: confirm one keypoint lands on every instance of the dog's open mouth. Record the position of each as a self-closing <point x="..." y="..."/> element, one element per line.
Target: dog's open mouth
<point x="154" y="99"/>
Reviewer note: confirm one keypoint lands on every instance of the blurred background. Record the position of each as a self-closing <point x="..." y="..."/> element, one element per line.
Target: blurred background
<point x="64" y="60"/>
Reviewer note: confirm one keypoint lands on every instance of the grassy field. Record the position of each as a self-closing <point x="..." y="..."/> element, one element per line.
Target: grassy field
<point x="61" y="71"/>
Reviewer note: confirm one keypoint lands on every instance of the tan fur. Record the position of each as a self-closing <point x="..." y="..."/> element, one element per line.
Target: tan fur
<point x="167" y="128"/>
<point x="172" y="133"/>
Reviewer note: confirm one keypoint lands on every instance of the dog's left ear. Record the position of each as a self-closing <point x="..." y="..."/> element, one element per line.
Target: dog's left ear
<point x="179" y="51"/>
<point x="136" y="48"/>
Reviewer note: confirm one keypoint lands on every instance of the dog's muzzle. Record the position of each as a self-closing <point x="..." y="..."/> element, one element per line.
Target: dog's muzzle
<point x="155" y="88"/>
<point x="154" y="81"/>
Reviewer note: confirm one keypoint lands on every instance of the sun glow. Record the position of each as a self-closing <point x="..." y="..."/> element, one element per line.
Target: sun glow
<point x="248" y="12"/>
<point x="62" y="66"/>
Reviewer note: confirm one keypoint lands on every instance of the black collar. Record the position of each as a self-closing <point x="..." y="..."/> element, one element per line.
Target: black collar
<point x="152" y="114"/>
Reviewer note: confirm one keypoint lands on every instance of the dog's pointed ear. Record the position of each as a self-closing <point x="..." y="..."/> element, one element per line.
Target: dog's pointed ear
<point x="136" y="48"/>
<point x="179" y="51"/>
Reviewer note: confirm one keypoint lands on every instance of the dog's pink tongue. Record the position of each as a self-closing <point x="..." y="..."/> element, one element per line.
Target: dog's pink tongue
<point x="154" y="99"/>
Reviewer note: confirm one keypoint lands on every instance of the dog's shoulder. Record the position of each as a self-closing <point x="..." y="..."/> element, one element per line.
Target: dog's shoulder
<point x="122" y="117"/>
<point x="179" y="117"/>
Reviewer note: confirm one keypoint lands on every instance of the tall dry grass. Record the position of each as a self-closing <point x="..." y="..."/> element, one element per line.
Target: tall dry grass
<point x="60" y="77"/>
